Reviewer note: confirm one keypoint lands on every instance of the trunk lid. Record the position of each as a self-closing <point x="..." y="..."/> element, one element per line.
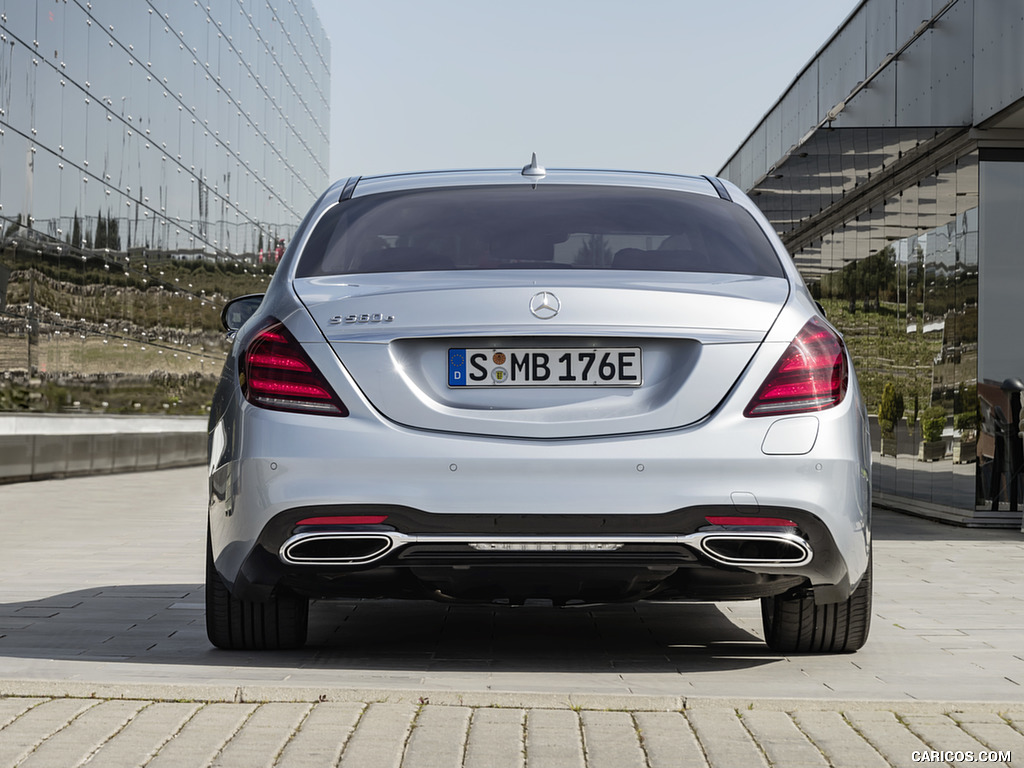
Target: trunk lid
<point x="680" y="342"/>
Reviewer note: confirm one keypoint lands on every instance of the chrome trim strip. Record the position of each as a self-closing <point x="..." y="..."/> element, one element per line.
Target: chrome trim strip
<point x="697" y="541"/>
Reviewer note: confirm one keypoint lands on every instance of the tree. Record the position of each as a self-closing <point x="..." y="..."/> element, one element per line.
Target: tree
<point x="101" y="231"/>
<point x="594" y="251"/>
<point x="890" y="410"/>
<point x="113" y="233"/>
<point x="13" y="227"/>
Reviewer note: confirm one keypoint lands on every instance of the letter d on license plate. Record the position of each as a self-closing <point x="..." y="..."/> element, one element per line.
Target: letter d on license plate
<point x="546" y="367"/>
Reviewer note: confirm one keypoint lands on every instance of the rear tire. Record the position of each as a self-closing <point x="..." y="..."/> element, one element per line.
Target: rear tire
<point x="245" y="625"/>
<point x="800" y="625"/>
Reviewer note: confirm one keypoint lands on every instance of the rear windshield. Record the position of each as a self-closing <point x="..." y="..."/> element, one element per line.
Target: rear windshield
<point x="547" y="227"/>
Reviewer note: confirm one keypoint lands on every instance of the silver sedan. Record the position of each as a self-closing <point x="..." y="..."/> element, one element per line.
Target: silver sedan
<point x="510" y="385"/>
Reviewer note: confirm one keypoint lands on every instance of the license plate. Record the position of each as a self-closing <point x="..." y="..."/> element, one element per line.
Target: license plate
<point x="545" y="367"/>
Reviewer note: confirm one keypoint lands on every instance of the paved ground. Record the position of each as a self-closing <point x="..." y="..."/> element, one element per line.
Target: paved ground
<point x="180" y="734"/>
<point x="103" y="658"/>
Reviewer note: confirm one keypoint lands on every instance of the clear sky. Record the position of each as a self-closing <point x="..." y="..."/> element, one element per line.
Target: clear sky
<point x="660" y="85"/>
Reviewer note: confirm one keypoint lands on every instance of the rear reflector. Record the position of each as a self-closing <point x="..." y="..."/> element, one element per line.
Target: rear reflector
<point x="811" y="375"/>
<point x="760" y="522"/>
<point x="346" y="520"/>
<point x="278" y="374"/>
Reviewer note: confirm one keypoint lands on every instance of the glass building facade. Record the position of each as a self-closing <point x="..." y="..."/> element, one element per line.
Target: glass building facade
<point x="155" y="157"/>
<point x="893" y="169"/>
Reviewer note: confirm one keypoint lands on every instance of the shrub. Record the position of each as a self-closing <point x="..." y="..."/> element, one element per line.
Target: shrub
<point x="890" y="410"/>
<point x="933" y="421"/>
<point x="965" y="421"/>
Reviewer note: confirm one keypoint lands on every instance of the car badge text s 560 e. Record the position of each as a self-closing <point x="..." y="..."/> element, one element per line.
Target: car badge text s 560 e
<point x="367" y="317"/>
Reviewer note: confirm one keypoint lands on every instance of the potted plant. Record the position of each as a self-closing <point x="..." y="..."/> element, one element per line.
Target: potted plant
<point x="890" y="411"/>
<point x="933" y="422"/>
<point x="965" y="440"/>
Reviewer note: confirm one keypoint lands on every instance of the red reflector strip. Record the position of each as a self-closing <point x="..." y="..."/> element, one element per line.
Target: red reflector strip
<point x="287" y="388"/>
<point x="771" y="522"/>
<point x="348" y="520"/>
<point x="269" y="360"/>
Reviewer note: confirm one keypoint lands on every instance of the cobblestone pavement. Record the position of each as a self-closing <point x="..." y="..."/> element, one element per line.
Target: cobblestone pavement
<point x="401" y="731"/>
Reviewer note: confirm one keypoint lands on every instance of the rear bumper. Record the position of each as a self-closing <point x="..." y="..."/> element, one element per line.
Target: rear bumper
<point x="445" y="495"/>
<point x="678" y="555"/>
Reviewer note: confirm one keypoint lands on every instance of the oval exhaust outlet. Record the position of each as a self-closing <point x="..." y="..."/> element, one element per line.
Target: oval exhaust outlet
<point x="757" y="549"/>
<point x="335" y="549"/>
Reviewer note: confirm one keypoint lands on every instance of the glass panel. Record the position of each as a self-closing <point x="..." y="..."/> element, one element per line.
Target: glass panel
<point x="138" y="202"/>
<point x="1001" y="361"/>
<point x="900" y="281"/>
<point x="520" y="227"/>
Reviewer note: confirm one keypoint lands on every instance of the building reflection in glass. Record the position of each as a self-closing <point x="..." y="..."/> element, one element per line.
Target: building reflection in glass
<point x="900" y="280"/>
<point x="155" y="158"/>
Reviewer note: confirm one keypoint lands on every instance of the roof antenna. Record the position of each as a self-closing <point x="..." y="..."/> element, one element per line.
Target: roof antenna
<point x="533" y="170"/>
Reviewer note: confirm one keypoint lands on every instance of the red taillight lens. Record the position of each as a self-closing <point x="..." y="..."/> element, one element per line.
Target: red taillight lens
<point x="344" y="520"/>
<point x="756" y="522"/>
<point x="278" y="374"/>
<point x="811" y="375"/>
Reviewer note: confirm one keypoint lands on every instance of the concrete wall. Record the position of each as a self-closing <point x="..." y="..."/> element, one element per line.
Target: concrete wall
<point x="42" y="446"/>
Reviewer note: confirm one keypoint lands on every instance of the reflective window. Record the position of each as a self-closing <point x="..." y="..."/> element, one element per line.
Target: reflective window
<point x="138" y="192"/>
<point x="900" y="280"/>
<point x="550" y="227"/>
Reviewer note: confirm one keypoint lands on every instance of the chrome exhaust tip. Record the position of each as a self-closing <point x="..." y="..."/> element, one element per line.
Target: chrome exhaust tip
<point x="756" y="548"/>
<point x="335" y="548"/>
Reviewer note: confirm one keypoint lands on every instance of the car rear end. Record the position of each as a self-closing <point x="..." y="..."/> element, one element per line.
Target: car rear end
<point x="582" y="386"/>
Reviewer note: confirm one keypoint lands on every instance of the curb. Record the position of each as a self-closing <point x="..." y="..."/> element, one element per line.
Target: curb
<point x="481" y="699"/>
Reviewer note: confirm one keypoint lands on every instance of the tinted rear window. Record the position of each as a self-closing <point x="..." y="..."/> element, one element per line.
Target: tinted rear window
<point x="547" y="227"/>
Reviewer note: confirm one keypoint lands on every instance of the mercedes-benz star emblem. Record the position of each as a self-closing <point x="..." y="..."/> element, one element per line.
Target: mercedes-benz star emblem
<point x="545" y="305"/>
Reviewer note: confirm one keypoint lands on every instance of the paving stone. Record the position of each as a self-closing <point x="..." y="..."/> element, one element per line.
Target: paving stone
<point x="611" y="740"/>
<point x="1001" y="737"/>
<point x="201" y="739"/>
<point x="260" y="740"/>
<point x="553" y="739"/>
<point x="781" y="740"/>
<point x="84" y="735"/>
<point x="117" y="733"/>
<point x="943" y="734"/>
<point x="669" y="741"/>
<point x="842" y="746"/>
<point x="11" y="709"/>
<point x="496" y="739"/>
<point x="977" y="717"/>
<point x="143" y="737"/>
<point x="438" y="738"/>
<point x="893" y="740"/>
<point x="22" y="736"/>
<point x="724" y="739"/>
<point x="321" y="736"/>
<point x="380" y="737"/>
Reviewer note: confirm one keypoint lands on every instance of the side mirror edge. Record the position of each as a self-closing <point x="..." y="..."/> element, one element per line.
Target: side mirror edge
<point x="237" y="311"/>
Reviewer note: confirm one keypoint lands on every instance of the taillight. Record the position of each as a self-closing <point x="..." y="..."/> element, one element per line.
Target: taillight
<point x="811" y="375"/>
<point x="276" y="373"/>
